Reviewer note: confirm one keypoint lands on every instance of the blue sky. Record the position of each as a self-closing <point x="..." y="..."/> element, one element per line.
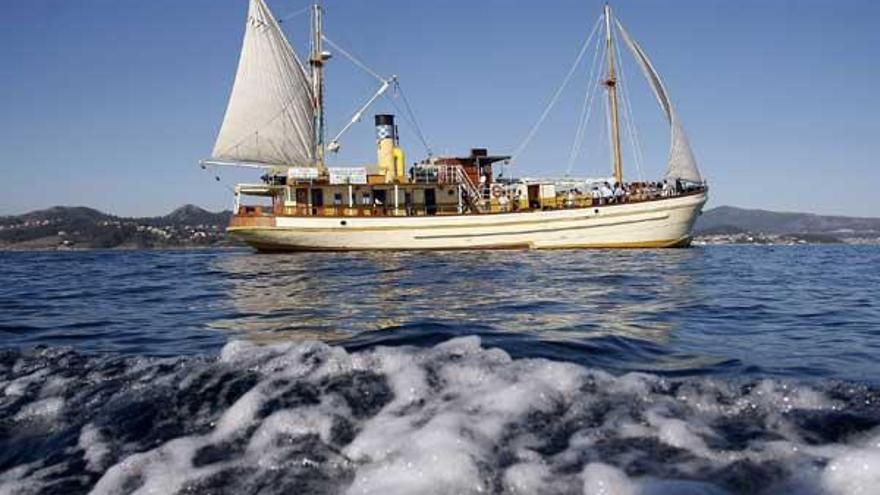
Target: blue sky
<point x="111" y="103"/>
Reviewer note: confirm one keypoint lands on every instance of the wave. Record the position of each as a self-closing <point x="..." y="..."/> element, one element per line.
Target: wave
<point x="457" y="417"/>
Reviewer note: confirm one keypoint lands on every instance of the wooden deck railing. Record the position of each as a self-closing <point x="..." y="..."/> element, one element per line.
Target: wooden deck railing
<point x="561" y="202"/>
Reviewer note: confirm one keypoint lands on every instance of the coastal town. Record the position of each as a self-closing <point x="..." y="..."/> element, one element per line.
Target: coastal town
<point x="63" y="228"/>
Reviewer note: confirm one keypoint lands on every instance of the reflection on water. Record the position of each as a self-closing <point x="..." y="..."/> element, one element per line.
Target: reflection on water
<point x="805" y="311"/>
<point x="560" y="296"/>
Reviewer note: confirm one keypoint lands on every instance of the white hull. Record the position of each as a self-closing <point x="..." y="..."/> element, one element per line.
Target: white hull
<point x="661" y="223"/>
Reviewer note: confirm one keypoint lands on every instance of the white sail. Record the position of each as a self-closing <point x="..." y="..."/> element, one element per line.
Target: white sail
<point x="270" y="115"/>
<point x="682" y="164"/>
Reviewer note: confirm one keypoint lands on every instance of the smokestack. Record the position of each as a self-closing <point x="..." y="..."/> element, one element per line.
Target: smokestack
<point x="386" y="137"/>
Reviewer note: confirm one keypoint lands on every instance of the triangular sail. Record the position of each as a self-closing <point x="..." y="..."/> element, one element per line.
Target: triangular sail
<point x="270" y="115"/>
<point x="682" y="164"/>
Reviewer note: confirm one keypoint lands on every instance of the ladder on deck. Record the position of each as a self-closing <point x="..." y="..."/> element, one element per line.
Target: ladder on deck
<point x="472" y="195"/>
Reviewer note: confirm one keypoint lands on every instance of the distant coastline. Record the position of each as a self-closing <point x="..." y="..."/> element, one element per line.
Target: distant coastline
<point x="731" y="225"/>
<point x="64" y="228"/>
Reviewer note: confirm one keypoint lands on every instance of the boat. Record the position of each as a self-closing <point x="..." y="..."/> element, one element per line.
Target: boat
<point x="275" y="122"/>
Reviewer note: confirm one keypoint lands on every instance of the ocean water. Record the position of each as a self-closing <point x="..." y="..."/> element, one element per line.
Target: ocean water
<point x="728" y="369"/>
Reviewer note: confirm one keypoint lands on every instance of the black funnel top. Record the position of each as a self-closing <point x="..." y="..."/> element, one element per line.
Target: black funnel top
<point x="384" y="119"/>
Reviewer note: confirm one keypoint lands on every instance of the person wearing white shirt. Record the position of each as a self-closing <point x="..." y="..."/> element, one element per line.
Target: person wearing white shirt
<point x="618" y="194"/>
<point x="607" y="193"/>
<point x="594" y="193"/>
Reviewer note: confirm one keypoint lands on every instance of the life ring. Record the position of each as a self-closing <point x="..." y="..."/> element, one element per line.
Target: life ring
<point x="497" y="191"/>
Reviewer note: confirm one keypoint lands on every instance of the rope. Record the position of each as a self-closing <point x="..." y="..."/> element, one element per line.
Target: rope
<point x="410" y="117"/>
<point x="586" y="108"/>
<point x="407" y="112"/>
<point x="294" y="14"/>
<point x="565" y="81"/>
<point x="638" y="156"/>
<point x="217" y="177"/>
<point x="354" y="60"/>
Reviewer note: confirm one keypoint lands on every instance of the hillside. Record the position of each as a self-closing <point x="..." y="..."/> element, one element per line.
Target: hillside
<point x="739" y="222"/>
<point x="64" y="227"/>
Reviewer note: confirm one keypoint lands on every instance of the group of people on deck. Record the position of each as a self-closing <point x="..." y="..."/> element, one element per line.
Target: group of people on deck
<point x="608" y="193"/>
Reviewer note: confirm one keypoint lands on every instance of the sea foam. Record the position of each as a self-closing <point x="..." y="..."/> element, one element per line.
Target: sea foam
<point x="454" y="418"/>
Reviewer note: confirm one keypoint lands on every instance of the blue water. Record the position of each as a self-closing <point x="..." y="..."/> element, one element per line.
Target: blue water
<point x="793" y="332"/>
<point x="803" y="312"/>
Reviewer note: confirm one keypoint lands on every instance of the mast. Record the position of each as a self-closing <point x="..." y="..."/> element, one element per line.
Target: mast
<point x="316" y="62"/>
<point x="611" y="84"/>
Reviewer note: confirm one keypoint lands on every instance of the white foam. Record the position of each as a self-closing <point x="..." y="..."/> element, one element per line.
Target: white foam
<point x="527" y="478"/>
<point x="95" y="448"/>
<point x="43" y="410"/>
<point x="459" y="418"/>
<point x="854" y="472"/>
<point x="602" y="479"/>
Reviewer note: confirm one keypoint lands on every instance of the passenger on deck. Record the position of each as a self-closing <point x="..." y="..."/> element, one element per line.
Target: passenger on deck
<point x="503" y="202"/>
<point x="595" y="195"/>
<point x="619" y="194"/>
<point x="607" y="193"/>
<point x="408" y="204"/>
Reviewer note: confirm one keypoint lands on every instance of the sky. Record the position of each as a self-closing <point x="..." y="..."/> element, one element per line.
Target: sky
<point x="112" y="103"/>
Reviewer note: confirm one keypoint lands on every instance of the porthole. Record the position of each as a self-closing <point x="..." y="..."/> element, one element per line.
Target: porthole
<point x="343" y="223"/>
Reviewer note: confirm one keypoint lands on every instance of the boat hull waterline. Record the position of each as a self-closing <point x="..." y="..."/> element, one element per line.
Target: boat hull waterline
<point x="652" y="224"/>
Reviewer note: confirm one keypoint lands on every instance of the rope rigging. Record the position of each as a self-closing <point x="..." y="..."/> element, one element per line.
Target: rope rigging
<point x="586" y="108"/>
<point x="410" y="117"/>
<point x="534" y="130"/>
<point x="406" y="112"/>
<point x="353" y="59"/>
<point x="600" y="57"/>
<point x="282" y="20"/>
<point x="628" y="120"/>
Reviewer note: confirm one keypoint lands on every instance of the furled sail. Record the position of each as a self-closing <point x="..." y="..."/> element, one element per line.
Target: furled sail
<point x="682" y="164"/>
<point x="270" y="115"/>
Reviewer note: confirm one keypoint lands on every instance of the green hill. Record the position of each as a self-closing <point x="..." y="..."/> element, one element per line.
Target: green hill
<point x="87" y="228"/>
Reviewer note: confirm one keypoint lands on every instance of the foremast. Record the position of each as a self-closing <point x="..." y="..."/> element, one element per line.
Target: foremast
<point x="316" y="62"/>
<point x="611" y="85"/>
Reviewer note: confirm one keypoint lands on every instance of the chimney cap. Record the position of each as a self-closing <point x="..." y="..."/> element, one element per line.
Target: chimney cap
<point x="384" y="119"/>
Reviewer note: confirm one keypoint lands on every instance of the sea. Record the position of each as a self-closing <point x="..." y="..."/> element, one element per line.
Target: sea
<point x="710" y="370"/>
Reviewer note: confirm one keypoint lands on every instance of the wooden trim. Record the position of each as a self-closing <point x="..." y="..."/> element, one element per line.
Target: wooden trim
<point x="467" y="225"/>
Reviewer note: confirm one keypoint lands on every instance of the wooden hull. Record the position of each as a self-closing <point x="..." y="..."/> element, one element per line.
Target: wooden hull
<point x="653" y="224"/>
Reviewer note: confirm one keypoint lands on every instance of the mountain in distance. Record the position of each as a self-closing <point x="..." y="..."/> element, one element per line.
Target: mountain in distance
<point x="63" y="227"/>
<point x="732" y="222"/>
<point x="193" y="215"/>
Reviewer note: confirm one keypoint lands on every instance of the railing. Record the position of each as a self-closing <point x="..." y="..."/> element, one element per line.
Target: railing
<point x="561" y="201"/>
<point x="450" y="174"/>
<point x="365" y="211"/>
<point x="471" y="191"/>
